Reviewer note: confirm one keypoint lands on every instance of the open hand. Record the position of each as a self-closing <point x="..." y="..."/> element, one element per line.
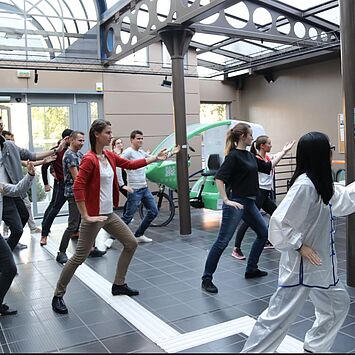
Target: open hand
<point x="93" y="219"/>
<point x="63" y="144"/>
<point x="162" y="155"/>
<point x="128" y="188"/>
<point x="234" y="204"/>
<point x="49" y="159"/>
<point x="30" y="167"/>
<point x="176" y="149"/>
<point x="288" y="146"/>
<point x="308" y="253"/>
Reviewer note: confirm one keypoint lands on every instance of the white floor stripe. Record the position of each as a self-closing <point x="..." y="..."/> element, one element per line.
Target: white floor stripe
<point x="166" y="337"/>
<point x="206" y="335"/>
<point x="149" y="324"/>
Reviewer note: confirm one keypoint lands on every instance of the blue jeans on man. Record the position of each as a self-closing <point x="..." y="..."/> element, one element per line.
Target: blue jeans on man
<point x="231" y="217"/>
<point x="133" y="201"/>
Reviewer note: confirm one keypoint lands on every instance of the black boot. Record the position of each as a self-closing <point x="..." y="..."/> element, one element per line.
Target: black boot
<point x="123" y="290"/>
<point x="59" y="306"/>
<point x="96" y="253"/>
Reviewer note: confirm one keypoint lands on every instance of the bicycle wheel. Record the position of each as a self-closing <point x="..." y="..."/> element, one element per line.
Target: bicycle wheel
<point x="166" y="209"/>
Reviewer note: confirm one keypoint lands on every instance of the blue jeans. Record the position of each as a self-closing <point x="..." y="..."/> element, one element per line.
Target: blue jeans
<point x="230" y="219"/>
<point x="133" y="200"/>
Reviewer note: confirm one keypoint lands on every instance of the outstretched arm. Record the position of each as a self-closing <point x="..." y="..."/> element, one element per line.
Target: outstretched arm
<point x="278" y="156"/>
<point x="22" y="186"/>
<point x="61" y="145"/>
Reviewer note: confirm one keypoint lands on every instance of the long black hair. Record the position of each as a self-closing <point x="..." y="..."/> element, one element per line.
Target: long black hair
<point x="313" y="158"/>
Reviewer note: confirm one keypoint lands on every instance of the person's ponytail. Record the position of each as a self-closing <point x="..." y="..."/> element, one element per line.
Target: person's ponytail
<point x="233" y="136"/>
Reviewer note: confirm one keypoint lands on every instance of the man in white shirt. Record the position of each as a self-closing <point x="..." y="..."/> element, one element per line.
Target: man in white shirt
<point x="136" y="180"/>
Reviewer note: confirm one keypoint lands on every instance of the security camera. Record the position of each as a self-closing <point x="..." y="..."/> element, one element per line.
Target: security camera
<point x="18" y="99"/>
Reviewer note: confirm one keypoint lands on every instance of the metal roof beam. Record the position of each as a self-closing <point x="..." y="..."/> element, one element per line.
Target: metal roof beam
<point x="301" y="16"/>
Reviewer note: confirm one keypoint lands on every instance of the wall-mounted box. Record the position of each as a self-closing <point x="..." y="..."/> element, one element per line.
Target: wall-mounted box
<point x="23" y="73"/>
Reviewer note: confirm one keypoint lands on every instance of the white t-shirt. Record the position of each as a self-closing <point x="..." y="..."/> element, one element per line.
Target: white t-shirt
<point x="106" y="186"/>
<point x="135" y="178"/>
<point x="266" y="181"/>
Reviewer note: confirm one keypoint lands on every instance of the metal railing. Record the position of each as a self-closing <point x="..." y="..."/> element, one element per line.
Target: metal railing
<point x="283" y="173"/>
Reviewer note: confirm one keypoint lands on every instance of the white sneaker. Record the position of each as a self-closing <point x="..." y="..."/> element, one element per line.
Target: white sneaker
<point x="144" y="239"/>
<point x="108" y="243"/>
<point x="100" y="243"/>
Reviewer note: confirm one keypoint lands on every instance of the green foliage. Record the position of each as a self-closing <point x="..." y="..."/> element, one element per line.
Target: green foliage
<point x="212" y="112"/>
<point x="48" y="125"/>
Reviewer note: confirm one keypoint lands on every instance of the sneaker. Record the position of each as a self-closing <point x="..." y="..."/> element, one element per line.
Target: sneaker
<point x="61" y="257"/>
<point x="108" y="243"/>
<point x="254" y="274"/>
<point x="36" y="230"/>
<point x="5" y="231"/>
<point x="237" y="253"/>
<point x="208" y="286"/>
<point x="268" y="245"/>
<point x="144" y="239"/>
<point x="123" y="290"/>
<point x="96" y="253"/>
<point x="100" y="243"/>
<point x="21" y="246"/>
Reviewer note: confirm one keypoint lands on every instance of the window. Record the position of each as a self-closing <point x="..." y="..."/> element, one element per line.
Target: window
<point x="213" y="112"/>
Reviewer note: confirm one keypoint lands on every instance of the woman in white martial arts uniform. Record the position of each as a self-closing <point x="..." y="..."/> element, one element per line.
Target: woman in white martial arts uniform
<point x="302" y="229"/>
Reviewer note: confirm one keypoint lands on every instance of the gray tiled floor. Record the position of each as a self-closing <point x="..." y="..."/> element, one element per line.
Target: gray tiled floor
<point x="168" y="274"/>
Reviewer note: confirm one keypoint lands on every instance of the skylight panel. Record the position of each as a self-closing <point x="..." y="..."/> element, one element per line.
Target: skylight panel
<point x="303" y="4"/>
<point x="213" y="57"/>
<point x="332" y="15"/>
<point x="208" y="39"/>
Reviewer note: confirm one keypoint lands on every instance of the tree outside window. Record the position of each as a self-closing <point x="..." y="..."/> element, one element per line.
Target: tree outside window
<point x="213" y="112"/>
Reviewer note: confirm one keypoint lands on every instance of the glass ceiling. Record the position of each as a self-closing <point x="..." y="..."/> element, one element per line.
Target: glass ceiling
<point x="219" y="54"/>
<point x="55" y="30"/>
<point x="42" y="30"/>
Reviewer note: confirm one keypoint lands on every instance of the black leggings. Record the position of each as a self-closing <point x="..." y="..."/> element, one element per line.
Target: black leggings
<point x="262" y="201"/>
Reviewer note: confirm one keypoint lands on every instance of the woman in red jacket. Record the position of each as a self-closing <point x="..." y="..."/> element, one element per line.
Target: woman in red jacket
<point x="93" y="189"/>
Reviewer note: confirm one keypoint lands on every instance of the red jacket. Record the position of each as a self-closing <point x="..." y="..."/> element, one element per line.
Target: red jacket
<point x="87" y="183"/>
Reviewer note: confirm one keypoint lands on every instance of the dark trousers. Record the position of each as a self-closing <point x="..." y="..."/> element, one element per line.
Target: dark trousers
<point x="7" y="268"/>
<point x="57" y="202"/>
<point x="15" y="215"/>
<point x="263" y="201"/>
<point x="73" y="224"/>
<point x="124" y="193"/>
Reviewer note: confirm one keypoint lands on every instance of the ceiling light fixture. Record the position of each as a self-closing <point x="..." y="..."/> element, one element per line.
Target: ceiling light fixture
<point x="269" y="77"/>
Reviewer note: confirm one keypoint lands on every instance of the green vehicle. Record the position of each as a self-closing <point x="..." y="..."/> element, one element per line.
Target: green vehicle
<point x="204" y="192"/>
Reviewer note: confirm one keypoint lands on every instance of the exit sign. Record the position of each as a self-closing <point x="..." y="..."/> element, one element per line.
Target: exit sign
<point x="23" y="73"/>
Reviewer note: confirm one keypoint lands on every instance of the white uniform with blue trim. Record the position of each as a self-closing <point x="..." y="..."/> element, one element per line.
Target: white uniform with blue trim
<point x="303" y="218"/>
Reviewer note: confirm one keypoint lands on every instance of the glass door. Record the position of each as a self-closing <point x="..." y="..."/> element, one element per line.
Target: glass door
<point x="46" y="125"/>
